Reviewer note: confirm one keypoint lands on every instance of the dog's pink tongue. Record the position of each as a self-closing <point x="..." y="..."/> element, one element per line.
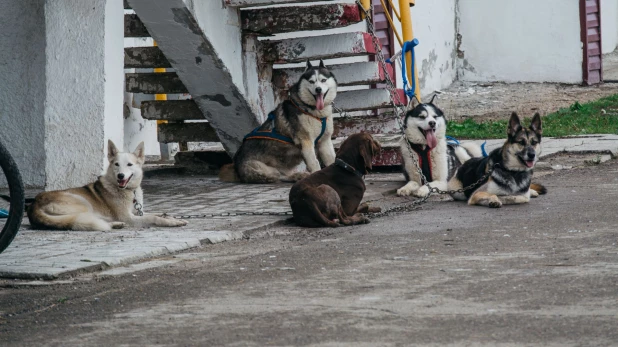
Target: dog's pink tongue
<point x="432" y="140"/>
<point x="319" y="102"/>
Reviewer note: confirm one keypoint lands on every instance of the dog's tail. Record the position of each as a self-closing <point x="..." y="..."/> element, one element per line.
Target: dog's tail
<point x="228" y="173"/>
<point x="474" y="150"/>
<point x="539" y="188"/>
<point x="467" y="150"/>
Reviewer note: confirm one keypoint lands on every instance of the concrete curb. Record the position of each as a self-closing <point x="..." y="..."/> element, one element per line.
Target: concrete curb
<point x="605" y="143"/>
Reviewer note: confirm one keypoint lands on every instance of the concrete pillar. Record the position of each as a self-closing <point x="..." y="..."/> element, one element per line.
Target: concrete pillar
<point x="84" y="66"/>
<point x="61" y="63"/>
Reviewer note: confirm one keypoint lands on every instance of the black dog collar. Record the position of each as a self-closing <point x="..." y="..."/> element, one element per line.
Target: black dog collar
<point x="348" y="167"/>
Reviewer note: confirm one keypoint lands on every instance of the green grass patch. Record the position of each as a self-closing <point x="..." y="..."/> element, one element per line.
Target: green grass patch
<point x="578" y="119"/>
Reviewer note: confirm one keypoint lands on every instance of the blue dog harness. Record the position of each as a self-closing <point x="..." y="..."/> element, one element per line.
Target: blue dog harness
<point x="275" y="136"/>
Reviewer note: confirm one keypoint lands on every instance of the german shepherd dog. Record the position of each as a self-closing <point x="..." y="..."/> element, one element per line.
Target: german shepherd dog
<point x="291" y="134"/>
<point x="512" y="164"/>
<point x="107" y="203"/>
<point x="425" y="128"/>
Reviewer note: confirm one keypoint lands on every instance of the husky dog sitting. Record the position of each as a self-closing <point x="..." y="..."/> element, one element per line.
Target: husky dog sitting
<point x="107" y="203"/>
<point x="291" y="134"/>
<point x="425" y="128"/>
<point x="512" y="164"/>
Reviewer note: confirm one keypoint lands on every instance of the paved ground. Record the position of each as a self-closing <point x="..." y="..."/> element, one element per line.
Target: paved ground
<point x="544" y="273"/>
<point x="52" y="255"/>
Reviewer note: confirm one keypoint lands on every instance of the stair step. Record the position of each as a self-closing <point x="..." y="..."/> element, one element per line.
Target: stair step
<point x="173" y="110"/>
<point x="252" y="3"/>
<point x="374" y="124"/>
<point x="133" y="26"/>
<point x="298" y="50"/>
<point x="390" y="154"/>
<point x="353" y="74"/>
<point x="144" y="58"/>
<point x="154" y="83"/>
<point x="268" y="21"/>
<point x="186" y="132"/>
<point x="366" y="99"/>
<point x="354" y="100"/>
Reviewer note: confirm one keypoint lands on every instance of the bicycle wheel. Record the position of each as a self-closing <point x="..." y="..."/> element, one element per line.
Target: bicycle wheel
<point x="16" y="192"/>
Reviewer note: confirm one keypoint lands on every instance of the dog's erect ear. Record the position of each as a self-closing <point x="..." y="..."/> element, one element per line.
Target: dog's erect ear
<point x="432" y="98"/>
<point x="309" y="66"/>
<point x="536" y="125"/>
<point x="514" y="125"/>
<point x="413" y="103"/>
<point x="112" y="151"/>
<point x="322" y="66"/>
<point x="140" y="152"/>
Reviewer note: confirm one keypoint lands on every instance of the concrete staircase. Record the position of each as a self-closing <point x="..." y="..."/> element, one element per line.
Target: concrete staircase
<point x="257" y="23"/>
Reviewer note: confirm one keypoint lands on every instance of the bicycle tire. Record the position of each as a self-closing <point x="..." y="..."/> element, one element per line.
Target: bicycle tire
<point x="16" y="190"/>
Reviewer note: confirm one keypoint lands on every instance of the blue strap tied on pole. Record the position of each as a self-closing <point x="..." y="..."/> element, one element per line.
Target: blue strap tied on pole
<point x="408" y="46"/>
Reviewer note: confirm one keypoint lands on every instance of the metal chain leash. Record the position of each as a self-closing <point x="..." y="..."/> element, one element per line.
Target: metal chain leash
<point x="231" y="214"/>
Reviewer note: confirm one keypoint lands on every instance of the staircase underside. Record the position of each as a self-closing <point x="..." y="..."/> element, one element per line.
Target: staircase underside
<point x="194" y="59"/>
<point x="181" y="42"/>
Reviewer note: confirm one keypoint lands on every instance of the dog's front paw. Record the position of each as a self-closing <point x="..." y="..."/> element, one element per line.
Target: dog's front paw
<point x="297" y="176"/>
<point x="117" y="225"/>
<point x="533" y="193"/>
<point x="176" y="222"/>
<point x="495" y="203"/>
<point x="404" y="191"/>
<point x="422" y="192"/>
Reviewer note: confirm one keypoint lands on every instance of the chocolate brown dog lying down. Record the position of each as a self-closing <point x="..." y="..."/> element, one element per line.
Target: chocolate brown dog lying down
<point x="331" y="196"/>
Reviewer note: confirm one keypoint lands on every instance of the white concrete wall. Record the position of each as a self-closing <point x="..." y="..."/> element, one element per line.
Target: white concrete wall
<point x="434" y="27"/>
<point x="521" y="41"/>
<point x="22" y="86"/>
<point x="609" y="25"/>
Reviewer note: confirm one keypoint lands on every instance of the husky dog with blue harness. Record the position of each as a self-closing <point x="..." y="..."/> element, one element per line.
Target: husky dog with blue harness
<point x="298" y="130"/>
<point x="438" y="158"/>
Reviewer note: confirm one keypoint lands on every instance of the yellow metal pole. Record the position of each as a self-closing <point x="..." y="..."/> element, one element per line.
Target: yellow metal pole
<point x="408" y="35"/>
<point x="366" y="5"/>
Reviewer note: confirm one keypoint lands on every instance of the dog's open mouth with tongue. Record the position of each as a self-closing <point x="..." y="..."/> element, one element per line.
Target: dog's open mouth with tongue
<point x="430" y="137"/>
<point x="319" y="101"/>
<point x="124" y="182"/>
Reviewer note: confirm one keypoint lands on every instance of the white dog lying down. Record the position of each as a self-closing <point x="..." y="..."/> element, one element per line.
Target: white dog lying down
<point x="107" y="203"/>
